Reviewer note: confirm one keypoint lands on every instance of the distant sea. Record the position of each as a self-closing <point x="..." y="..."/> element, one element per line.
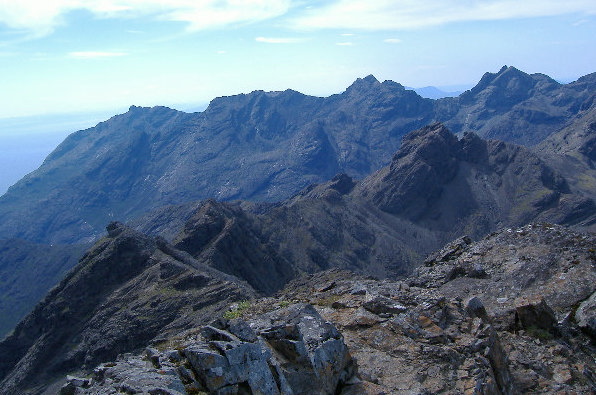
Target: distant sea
<point x="26" y="141"/>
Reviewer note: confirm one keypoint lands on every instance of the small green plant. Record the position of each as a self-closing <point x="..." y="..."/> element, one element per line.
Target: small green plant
<point x="284" y="303"/>
<point x="326" y="301"/>
<point x="539" y="333"/>
<point x="237" y="310"/>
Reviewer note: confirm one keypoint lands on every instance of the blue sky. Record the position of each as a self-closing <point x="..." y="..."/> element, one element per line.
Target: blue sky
<point x="64" y="56"/>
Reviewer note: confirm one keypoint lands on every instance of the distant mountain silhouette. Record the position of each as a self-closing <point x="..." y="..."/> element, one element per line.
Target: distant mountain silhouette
<point x="432" y="92"/>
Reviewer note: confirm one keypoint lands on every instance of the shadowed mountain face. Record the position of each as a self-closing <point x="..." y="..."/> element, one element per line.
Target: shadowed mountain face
<point x="262" y="146"/>
<point x="126" y="290"/>
<point x="27" y="272"/>
<point x="572" y="151"/>
<point x="472" y="185"/>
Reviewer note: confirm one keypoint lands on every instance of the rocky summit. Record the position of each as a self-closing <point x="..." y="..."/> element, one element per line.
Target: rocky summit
<point x="510" y="314"/>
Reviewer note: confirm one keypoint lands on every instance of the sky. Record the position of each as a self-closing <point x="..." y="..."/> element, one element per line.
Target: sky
<point x="67" y="56"/>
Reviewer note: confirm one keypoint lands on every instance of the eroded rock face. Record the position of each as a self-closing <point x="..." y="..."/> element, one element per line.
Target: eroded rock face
<point x="585" y="315"/>
<point x="471" y="185"/>
<point x="287" y="351"/>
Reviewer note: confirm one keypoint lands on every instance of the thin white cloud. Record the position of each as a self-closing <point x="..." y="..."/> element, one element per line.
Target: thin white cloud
<point x="279" y="40"/>
<point x="95" y="54"/>
<point x="392" y="40"/>
<point x="345" y="44"/>
<point x="39" y="18"/>
<point x="414" y="14"/>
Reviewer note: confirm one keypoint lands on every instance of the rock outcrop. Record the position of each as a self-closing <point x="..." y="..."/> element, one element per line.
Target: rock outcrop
<point x="287" y="351"/>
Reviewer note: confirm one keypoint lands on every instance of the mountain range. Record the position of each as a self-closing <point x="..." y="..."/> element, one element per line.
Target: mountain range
<point x="259" y="189"/>
<point x="263" y="146"/>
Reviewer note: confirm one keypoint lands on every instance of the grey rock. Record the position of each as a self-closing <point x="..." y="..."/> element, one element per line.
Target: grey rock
<point x="133" y="375"/>
<point x="292" y="350"/>
<point x="383" y="305"/>
<point x="242" y="330"/>
<point x="585" y="315"/>
<point x="476" y="308"/>
<point x="536" y="316"/>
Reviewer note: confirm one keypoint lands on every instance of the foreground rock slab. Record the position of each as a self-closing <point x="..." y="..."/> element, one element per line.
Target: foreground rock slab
<point x="288" y="351"/>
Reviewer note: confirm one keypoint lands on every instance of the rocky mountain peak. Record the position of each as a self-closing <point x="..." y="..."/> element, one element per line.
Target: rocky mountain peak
<point x="436" y="179"/>
<point x="429" y="143"/>
<point x="363" y="85"/>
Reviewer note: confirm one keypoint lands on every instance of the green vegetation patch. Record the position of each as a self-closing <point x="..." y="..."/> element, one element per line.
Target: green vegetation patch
<point x="237" y="310"/>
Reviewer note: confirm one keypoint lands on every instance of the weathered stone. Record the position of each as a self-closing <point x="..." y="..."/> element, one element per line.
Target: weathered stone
<point x="293" y="351"/>
<point x="133" y="375"/>
<point x="585" y="315"/>
<point x="476" y="308"/>
<point x="382" y="305"/>
<point x="153" y="356"/>
<point x="363" y="318"/>
<point x="202" y="358"/>
<point x="536" y="316"/>
<point x="215" y="334"/>
<point x="78" y="381"/>
<point x="242" y="330"/>
<point x="450" y="252"/>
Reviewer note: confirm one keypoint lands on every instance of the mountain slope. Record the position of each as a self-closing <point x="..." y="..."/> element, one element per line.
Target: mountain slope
<point x="126" y="290"/>
<point x="27" y="272"/>
<point x="471" y="185"/>
<point x="572" y="152"/>
<point x="256" y="146"/>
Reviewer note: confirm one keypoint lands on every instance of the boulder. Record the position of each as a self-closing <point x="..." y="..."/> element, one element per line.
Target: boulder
<point x="536" y="316"/>
<point x="585" y="315"/>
